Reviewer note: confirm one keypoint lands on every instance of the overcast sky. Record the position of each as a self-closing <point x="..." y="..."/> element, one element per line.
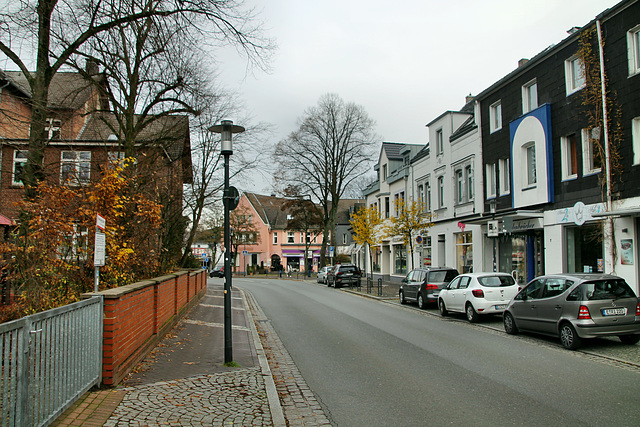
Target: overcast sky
<point x="404" y="61"/>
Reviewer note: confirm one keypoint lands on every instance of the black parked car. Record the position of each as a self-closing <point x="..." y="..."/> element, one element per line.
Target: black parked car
<point x="344" y="274"/>
<point x="423" y="285"/>
<point x="217" y="272"/>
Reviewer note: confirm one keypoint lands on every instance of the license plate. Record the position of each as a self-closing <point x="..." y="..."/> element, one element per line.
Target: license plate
<point x="501" y="306"/>
<point x="614" y="311"/>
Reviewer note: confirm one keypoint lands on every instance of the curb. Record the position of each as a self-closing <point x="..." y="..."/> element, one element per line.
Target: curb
<point x="277" y="414"/>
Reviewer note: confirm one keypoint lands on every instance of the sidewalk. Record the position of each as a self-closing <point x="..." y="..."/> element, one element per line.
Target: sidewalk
<point x="184" y="381"/>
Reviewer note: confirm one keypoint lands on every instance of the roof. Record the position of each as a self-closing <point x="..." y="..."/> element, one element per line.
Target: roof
<point x="68" y="90"/>
<point x="393" y="150"/>
<point x="269" y="209"/>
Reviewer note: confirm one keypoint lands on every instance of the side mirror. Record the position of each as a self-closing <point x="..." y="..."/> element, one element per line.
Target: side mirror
<point x="404" y="280"/>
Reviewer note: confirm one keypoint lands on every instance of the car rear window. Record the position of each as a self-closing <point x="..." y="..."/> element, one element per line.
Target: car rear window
<point x="607" y="289"/>
<point x="442" y="275"/>
<point x="496" y="281"/>
<point x="349" y="269"/>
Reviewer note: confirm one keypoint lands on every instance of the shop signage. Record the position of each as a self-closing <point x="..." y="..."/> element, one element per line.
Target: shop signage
<point x="492" y="228"/>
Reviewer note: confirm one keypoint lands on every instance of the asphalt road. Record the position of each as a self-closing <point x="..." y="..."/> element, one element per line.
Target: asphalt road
<point x="376" y="364"/>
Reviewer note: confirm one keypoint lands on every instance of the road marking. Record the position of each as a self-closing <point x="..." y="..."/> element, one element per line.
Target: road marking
<point x="215" y="325"/>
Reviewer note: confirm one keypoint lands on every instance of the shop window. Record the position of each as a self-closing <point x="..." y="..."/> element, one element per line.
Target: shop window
<point x="400" y="259"/>
<point x="584" y="249"/>
<point x="426" y="251"/>
<point x="464" y="252"/>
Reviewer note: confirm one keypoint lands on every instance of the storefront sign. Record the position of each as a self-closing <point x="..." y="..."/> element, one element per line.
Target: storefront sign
<point x="626" y="252"/>
<point x="492" y="228"/>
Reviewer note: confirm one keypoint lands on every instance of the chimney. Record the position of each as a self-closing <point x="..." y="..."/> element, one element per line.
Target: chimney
<point x="92" y="66"/>
<point x="469" y="98"/>
<point x="522" y="62"/>
<point x="573" y="30"/>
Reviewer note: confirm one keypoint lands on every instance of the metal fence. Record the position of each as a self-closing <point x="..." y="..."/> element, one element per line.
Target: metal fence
<point x="49" y="360"/>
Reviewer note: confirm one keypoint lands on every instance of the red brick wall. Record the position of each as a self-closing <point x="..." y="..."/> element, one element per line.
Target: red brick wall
<point x="137" y="316"/>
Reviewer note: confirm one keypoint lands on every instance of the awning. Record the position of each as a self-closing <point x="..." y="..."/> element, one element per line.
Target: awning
<point x="6" y="221"/>
<point x="618" y="212"/>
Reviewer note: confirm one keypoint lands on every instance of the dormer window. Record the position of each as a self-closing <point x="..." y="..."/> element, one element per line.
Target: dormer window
<point x="53" y="128"/>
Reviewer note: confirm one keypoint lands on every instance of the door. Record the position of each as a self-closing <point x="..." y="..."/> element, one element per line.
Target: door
<point x="525" y="306"/>
<point x="459" y="296"/>
<point x="551" y="304"/>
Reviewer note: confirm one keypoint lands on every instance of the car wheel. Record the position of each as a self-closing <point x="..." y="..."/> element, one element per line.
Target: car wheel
<point x="472" y="314"/>
<point x="443" y="309"/>
<point x="629" y="339"/>
<point x="421" y="302"/>
<point x="509" y="324"/>
<point x="403" y="300"/>
<point x="568" y="336"/>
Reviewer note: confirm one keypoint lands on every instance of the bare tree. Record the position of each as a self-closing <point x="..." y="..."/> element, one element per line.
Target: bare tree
<point x="58" y="29"/>
<point x="332" y="147"/>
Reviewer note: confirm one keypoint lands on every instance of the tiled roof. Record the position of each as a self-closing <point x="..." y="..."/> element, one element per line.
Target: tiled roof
<point x="66" y="91"/>
<point x="393" y="150"/>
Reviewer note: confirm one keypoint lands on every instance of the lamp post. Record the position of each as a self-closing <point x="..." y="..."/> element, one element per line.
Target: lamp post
<point x="227" y="129"/>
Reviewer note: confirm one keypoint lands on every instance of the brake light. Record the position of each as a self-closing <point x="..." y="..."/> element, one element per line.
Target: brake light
<point x="339" y="273"/>
<point x="583" y="313"/>
<point x="478" y="293"/>
<point x="431" y="286"/>
<point x="638" y="309"/>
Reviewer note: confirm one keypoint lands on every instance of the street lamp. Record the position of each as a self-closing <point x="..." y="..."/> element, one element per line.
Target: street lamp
<point x="229" y="200"/>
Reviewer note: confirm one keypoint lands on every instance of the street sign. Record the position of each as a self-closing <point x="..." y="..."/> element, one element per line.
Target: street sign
<point x="244" y="252"/>
<point x="231" y="198"/>
<point x="99" y="251"/>
<point x="101" y="223"/>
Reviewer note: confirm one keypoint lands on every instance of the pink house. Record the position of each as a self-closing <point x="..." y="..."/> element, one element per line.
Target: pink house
<point x="277" y="246"/>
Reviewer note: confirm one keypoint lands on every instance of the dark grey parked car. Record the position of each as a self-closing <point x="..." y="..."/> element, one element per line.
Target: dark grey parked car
<point x="576" y="306"/>
<point x="423" y="285"/>
<point x="344" y="274"/>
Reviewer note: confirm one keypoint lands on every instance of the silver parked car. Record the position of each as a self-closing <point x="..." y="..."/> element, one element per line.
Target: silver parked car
<point x="576" y="306"/>
<point x="321" y="277"/>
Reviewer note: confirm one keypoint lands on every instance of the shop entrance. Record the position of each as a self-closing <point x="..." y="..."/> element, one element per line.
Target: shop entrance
<point x="522" y="256"/>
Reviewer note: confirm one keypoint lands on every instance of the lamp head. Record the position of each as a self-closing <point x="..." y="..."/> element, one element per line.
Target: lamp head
<point x="227" y="129"/>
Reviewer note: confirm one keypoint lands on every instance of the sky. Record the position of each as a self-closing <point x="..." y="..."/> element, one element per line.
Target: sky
<point x="405" y="61"/>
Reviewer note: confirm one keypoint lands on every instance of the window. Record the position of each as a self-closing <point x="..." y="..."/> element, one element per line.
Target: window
<point x="633" y="46"/>
<point x="531" y="178"/>
<point x="344" y="239"/>
<point x="505" y="177"/>
<point x="75" y="168"/>
<point x="428" y="196"/>
<point x="468" y="174"/>
<point x="75" y="245"/>
<point x="495" y="116"/>
<point x="275" y="238"/>
<point x="459" y="180"/>
<point x="439" y="142"/>
<point x="291" y="237"/>
<point x="574" y="75"/>
<point x="529" y="96"/>
<point x="421" y="196"/>
<point x="384" y="171"/>
<point x="591" y="159"/>
<point x="19" y="162"/>
<point x="386" y="207"/>
<point x="399" y="202"/>
<point x="53" y="128"/>
<point x="116" y="157"/>
<point x="440" y="192"/>
<point x="569" y="156"/>
<point x="635" y="137"/>
<point x="491" y="180"/>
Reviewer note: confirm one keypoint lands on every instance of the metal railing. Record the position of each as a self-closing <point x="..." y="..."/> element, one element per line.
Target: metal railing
<point x="49" y="360"/>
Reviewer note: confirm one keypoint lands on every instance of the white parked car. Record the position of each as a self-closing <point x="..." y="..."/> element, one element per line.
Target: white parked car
<point x="321" y="277"/>
<point x="478" y="293"/>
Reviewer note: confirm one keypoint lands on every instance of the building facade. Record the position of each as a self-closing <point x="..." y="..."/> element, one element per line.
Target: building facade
<point x="522" y="179"/>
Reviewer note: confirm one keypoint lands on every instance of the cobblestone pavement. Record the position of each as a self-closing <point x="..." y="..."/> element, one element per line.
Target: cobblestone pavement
<point x="299" y="404"/>
<point x="235" y="398"/>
